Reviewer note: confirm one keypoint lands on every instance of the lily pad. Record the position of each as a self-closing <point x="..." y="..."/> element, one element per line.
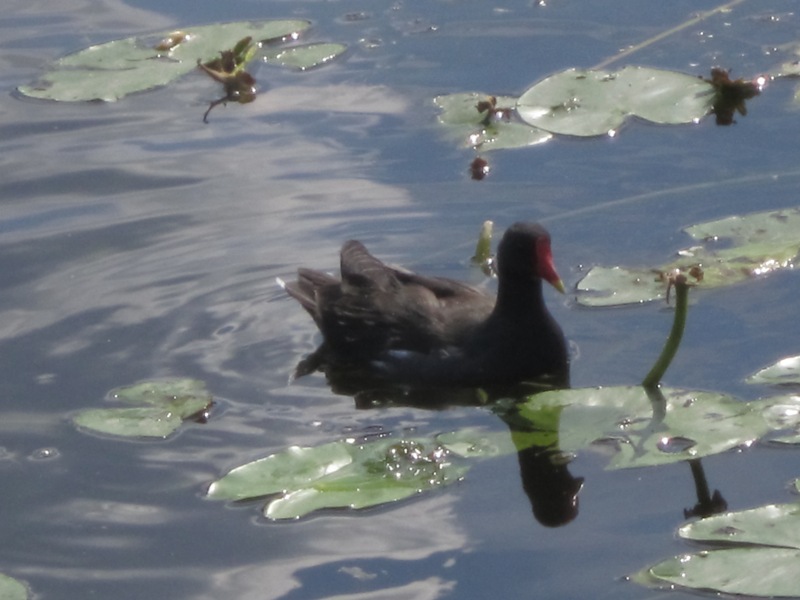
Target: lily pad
<point x="764" y="563"/>
<point x="129" y="422"/>
<point x="115" y="69"/>
<point x="294" y="468"/>
<point x="460" y="114"/>
<point x="168" y="403"/>
<point x="304" y="57"/>
<point x="753" y="572"/>
<point x="782" y="414"/>
<point x="770" y="525"/>
<point x="11" y="589"/>
<point x="784" y="372"/>
<point x="589" y="103"/>
<point x="643" y="431"/>
<point x="340" y="475"/>
<point x="759" y="244"/>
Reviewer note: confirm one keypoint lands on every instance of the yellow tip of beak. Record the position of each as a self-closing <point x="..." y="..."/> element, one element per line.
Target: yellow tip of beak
<point x="559" y="285"/>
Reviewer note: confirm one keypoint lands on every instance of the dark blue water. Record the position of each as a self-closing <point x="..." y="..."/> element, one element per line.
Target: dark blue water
<point x="136" y="242"/>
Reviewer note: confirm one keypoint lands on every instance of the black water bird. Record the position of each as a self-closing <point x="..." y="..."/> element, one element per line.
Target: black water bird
<point x="390" y="325"/>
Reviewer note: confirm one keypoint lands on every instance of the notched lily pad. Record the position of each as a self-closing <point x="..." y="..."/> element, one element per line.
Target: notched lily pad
<point x="341" y="474"/>
<point x="167" y="403"/>
<point x="590" y="103"/>
<point x="115" y="69"/>
<point x="758" y="244"/>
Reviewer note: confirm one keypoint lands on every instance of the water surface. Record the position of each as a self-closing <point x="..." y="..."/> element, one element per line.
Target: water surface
<point x="137" y="242"/>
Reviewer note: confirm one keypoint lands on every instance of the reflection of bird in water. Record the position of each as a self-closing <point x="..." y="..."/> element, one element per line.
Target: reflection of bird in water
<point x="550" y="487"/>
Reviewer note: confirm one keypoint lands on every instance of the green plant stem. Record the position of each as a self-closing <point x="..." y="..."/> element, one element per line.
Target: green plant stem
<point x="693" y="21"/>
<point x="483" y="250"/>
<point x="661" y="365"/>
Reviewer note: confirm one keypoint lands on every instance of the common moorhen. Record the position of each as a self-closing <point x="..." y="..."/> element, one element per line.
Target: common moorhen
<point x="398" y="327"/>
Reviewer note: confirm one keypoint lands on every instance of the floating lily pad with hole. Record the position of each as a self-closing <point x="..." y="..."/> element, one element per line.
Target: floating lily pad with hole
<point x="115" y="69"/>
<point x="756" y="244"/>
<point x="167" y="403"/>
<point x="589" y="103"/>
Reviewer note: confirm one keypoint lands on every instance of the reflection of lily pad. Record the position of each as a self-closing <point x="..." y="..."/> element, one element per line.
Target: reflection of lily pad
<point x="168" y="403"/>
<point x="340" y="475"/>
<point x="764" y="563"/>
<point x="761" y="243"/>
<point x="589" y="103"/>
<point x="115" y="69"/>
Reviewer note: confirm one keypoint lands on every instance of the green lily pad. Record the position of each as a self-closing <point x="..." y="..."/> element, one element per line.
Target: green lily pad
<point x="770" y="525"/>
<point x="168" y="403"/>
<point x="589" y="103"/>
<point x="294" y="468"/>
<point x="340" y="475"/>
<point x="11" y="589"/>
<point x="129" y="422"/>
<point x="754" y="572"/>
<point x="784" y="372"/>
<point x="459" y="113"/>
<point x="761" y="243"/>
<point x="304" y="57"/>
<point x="640" y="432"/>
<point x="115" y="69"/>
<point x="765" y="561"/>
<point x="782" y="415"/>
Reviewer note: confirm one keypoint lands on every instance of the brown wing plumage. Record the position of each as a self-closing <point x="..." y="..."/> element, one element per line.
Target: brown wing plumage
<point x="375" y="307"/>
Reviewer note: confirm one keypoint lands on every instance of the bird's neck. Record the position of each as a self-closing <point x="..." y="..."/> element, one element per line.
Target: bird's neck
<point x="520" y="298"/>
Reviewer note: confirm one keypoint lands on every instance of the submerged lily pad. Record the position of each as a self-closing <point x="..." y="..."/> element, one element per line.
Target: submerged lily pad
<point x="168" y="403"/>
<point x="340" y="475"/>
<point x="115" y="69"/>
<point x="304" y="57"/>
<point x="589" y="103"/>
<point x="760" y="244"/>
<point x="765" y="563"/>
